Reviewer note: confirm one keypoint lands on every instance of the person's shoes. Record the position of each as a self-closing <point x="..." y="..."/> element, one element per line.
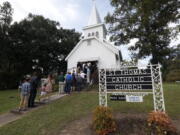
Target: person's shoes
<point x="33" y="106"/>
<point x="24" y="109"/>
<point x="29" y="106"/>
<point x="19" y="110"/>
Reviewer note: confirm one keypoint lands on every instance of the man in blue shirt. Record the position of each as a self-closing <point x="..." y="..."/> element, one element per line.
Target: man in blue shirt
<point x="68" y="83"/>
<point x="25" y="92"/>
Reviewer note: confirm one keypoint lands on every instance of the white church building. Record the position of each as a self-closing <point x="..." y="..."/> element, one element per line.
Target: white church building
<point x="94" y="47"/>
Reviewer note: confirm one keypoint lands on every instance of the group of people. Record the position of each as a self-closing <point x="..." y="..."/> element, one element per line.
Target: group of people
<point x="88" y="70"/>
<point x="85" y="74"/>
<point x="70" y="82"/>
<point x="28" y="90"/>
<point x="77" y="79"/>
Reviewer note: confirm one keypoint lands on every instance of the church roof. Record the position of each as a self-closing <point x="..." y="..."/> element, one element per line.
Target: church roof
<point x="94" y="17"/>
<point x="106" y="44"/>
<point x="95" y="21"/>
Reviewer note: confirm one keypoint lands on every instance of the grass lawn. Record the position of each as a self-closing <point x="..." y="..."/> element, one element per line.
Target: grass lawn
<point x="51" y="119"/>
<point x="9" y="99"/>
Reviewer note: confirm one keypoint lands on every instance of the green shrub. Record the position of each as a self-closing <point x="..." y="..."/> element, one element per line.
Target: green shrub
<point x="103" y="122"/>
<point x="160" y="124"/>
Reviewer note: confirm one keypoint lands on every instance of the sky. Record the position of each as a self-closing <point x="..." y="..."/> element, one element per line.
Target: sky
<point x="72" y="14"/>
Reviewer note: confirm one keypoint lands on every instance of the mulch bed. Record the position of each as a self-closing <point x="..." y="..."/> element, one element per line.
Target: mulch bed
<point x="131" y="124"/>
<point x="128" y="124"/>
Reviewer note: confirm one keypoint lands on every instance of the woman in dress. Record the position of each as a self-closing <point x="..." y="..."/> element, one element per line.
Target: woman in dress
<point x="49" y="83"/>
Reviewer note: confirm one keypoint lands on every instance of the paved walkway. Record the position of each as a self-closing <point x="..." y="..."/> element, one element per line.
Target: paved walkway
<point x="15" y="115"/>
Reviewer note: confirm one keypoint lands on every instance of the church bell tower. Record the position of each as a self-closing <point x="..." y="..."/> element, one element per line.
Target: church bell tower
<point x="95" y="27"/>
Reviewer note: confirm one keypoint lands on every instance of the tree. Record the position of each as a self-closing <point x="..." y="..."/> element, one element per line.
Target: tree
<point x="33" y="43"/>
<point x="8" y="78"/>
<point x="145" y="20"/>
<point x="6" y="12"/>
<point x="176" y="53"/>
<point x="172" y="71"/>
<point x="43" y="40"/>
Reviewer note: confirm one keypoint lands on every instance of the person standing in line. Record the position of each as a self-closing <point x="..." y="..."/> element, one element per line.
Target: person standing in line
<point x="88" y="73"/>
<point x="82" y="74"/>
<point x="61" y="83"/>
<point x="79" y="82"/>
<point x="85" y="69"/>
<point x="43" y="91"/>
<point x="49" y="83"/>
<point x="25" y="92"/>
<point x="68" y="81"/>
<point x="65" y="85"/>
<point x="74" y="82"/>
<point x="34" y="85"/>
<point x="79" y="67"/>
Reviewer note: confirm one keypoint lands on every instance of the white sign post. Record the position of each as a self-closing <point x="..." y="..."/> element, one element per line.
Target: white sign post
<point x="133" y="82"/>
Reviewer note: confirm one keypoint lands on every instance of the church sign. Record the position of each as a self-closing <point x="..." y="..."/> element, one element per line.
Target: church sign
<point x="131" y="83"/>
<point x="129" y="79"/>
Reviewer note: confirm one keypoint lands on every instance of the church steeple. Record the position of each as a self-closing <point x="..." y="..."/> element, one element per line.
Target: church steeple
<point x="95" y="27"/>
<point x="94" y="17"/>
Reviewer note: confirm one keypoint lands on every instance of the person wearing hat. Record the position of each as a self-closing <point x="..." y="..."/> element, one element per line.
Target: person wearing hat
<point x="25" y="92"/>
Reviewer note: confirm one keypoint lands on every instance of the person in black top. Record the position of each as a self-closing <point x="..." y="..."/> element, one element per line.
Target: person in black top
<point x="34" y="85"/>
<point x="74" y="82"/>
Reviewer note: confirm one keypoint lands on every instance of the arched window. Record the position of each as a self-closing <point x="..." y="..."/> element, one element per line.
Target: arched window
<point x="89" y="34"/>
<point x="93" y="34"/>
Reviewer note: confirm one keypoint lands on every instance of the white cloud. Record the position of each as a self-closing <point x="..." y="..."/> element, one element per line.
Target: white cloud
<point x="71" y="11"/>
<point x="64" y="12"/>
